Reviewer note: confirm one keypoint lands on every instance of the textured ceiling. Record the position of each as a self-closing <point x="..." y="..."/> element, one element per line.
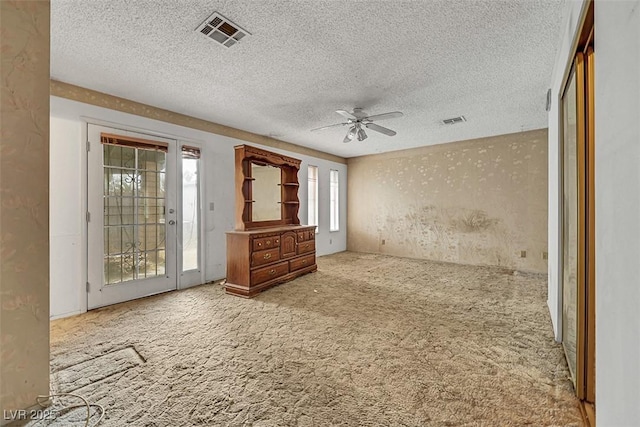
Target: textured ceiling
<point x="490" y="61"/>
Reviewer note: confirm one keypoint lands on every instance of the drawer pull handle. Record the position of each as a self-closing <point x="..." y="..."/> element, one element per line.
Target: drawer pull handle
<point x="259" y="243"/>
<point x="272" y="272"/>
<point x="304" y="261"/>
<point x="267" y="256"/>
<point x="268" y="242"/>
<point x="277" y="241"/>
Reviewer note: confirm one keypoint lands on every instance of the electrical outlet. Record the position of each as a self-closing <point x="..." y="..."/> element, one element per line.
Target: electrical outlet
<point x="523" y="254"/>
<point x="545" y="255"/>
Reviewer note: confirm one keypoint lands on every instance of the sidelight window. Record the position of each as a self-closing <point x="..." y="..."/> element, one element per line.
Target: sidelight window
<point x="334" y="205"/>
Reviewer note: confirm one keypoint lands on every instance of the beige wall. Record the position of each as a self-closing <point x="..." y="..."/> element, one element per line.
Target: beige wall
<point x="24" y="203"/>
<point x="481" y="201"/>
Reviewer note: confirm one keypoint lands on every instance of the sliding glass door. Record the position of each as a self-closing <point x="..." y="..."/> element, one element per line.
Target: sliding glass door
<point x="570" y="202"/>
<point x="578" y="225"/>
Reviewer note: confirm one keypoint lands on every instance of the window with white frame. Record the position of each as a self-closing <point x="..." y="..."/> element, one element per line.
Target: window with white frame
<point x="312" y="196"/>
<point x="334" y="213"/>
<point x="190" y="208"/>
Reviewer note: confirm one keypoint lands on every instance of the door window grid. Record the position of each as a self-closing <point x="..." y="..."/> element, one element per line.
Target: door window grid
<point x="134" y="213"/>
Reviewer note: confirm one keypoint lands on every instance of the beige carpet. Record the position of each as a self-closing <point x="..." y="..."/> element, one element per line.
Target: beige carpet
<point x="368" y="340"/>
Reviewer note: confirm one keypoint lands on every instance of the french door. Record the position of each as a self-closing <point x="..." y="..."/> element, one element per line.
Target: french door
<point x="132" y="215"/>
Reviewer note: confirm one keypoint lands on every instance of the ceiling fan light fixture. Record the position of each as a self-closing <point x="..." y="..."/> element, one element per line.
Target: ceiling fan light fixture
<point x="361" y="134"/>
<point x="350" y="134"/>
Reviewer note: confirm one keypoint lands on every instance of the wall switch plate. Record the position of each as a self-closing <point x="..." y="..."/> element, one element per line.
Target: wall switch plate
<point x="330" y="241"/>
<point x="383" y="241"/>
<point x="545" y="255"/>
<point x="523" y="254"/>
<point x="211" y="206"/>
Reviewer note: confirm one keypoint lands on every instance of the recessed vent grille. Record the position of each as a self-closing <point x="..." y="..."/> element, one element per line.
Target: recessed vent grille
<point x="218" y="28"/>
<point x="454" y="120"/>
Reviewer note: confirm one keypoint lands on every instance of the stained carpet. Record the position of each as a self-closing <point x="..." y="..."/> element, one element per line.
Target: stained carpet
<point x="368" y="340"/>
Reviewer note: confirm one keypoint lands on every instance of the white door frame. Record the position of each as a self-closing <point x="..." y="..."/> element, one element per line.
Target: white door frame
<point x="97" y="294"/>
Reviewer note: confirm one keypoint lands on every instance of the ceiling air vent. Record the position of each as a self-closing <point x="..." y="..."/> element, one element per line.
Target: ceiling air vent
<point x="218" y="28"/>
<point x="454" y="120"/>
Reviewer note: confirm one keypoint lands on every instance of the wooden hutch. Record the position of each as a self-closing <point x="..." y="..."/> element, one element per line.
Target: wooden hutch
<point x="269" y="246"/>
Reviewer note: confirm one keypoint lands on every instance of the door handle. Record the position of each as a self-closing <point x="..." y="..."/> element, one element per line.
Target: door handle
<point x="172" y="222"/>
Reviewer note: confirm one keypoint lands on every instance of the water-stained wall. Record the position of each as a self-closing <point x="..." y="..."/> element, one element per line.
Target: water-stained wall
<point x="24" y="205"/>
<point x="482" y="201"/>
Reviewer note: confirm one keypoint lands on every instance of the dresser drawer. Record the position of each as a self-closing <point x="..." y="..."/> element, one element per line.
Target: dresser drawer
<point x="264" y="274"/>
<point x="302" y="262"/>
<point x="265" y="257"/>
<point x="266" y="243"/>
<point x="306" y="235"/>
<point x="308" y="246"/>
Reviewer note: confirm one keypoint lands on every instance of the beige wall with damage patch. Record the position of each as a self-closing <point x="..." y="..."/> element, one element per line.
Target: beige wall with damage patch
<point x="24" y="205"/>
<point x="481" y="201"/>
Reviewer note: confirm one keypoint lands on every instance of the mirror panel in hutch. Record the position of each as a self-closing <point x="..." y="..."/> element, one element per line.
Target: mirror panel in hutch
<point x="269" y="246"/>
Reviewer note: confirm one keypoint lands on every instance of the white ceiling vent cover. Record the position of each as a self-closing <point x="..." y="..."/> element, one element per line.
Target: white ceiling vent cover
<point x="454" y="120"/>
<point x="218" y="28"/>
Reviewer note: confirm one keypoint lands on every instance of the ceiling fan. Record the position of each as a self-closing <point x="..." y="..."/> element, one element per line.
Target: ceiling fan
<point x="357" y="119"/>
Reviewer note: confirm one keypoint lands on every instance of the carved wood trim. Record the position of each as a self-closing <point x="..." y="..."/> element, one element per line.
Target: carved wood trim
<point x="252" y="153"/>
<point x="290" y="204"/>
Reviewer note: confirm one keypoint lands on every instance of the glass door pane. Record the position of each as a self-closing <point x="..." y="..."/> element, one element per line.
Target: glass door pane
<point x="190" y="210"/>
<point x="134" y="222"/>
<point x="570" y="225"/>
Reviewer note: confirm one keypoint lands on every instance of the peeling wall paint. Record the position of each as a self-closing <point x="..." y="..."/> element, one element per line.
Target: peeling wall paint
<point x="481" y="201"/>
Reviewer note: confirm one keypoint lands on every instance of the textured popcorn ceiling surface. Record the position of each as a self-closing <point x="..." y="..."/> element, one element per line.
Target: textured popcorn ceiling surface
<point x="490" y="61"/>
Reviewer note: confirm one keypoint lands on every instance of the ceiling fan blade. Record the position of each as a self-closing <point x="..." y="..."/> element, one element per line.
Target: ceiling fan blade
<point x="385" y="116"/>
<point x="380" y="129"/>
<point x="346" y="114"/>
<point x="330" y="126"/>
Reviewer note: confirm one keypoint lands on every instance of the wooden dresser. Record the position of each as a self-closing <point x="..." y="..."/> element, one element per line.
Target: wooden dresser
<point x="268" y="246"/>
<point x="259" y="259"/>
